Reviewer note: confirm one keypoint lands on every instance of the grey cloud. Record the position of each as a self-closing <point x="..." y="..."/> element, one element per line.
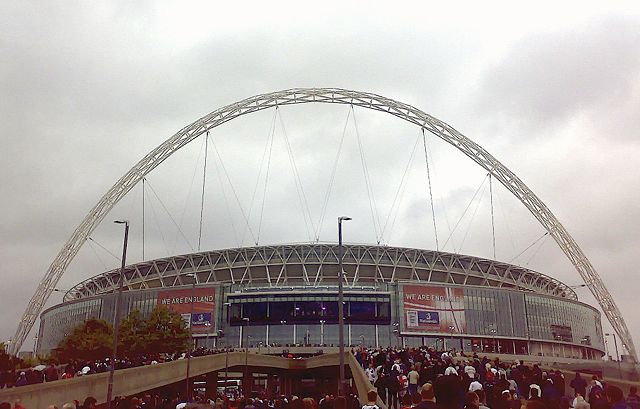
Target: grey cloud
<point x="545" y="79"/>
<point x="88" y="91"/>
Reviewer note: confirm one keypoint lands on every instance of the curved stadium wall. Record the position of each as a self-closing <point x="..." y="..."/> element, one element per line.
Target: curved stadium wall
<point x="288" y="295"/>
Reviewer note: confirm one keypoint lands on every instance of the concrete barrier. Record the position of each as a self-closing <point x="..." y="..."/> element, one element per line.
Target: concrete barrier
<point x="132" y="381"/>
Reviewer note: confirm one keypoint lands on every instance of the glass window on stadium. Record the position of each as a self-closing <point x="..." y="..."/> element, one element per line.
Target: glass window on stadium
<point x="312" y="310"/>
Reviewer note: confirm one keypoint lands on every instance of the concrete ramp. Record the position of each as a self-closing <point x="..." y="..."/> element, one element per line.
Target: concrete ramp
<point x="132" y="381"/>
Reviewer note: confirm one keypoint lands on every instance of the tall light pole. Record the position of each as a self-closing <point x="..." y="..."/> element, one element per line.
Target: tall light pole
<point x="615" y="343"/>
<point x="451" y="328"/>
<point x="226" y="368"/>
<point x="246" y="358"/>
<point x="396" y="332"/>
<point x="341" y="386"/>
<point x="116" y="314"/>
<point x="193" y="290"/>
<point x="206" y="340"/>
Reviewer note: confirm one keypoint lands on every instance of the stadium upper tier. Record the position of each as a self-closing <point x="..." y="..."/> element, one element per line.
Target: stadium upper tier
<point x="315" y="265"/>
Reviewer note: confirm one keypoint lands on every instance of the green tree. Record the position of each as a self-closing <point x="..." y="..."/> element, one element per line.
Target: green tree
<point x="90" y="340"/>
<point x="166" y="331"/>
<point x="133" y="335"/>
<point x="163" y="332"/>
<point x="5" y="359"/>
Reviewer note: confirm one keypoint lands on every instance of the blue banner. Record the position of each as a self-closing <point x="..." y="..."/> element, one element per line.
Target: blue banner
<point x="428" y="318"/>
<point x="201" y="319"/>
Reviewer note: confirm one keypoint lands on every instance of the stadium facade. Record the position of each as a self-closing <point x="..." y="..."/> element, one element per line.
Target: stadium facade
<point x="287" y="295"/>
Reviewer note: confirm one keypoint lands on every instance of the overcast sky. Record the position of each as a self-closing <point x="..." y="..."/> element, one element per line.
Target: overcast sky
<point x="88" y="88"/>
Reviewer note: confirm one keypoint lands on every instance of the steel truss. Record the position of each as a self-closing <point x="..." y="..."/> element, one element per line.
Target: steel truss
<point x="333" y="96"/>
<point x="313" y="265"/>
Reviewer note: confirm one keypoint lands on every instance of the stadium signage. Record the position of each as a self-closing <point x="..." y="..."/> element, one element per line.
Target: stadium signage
<point x="195" y="305"/>
<point x="187" y="300"/>
<point x="434" y="309"/>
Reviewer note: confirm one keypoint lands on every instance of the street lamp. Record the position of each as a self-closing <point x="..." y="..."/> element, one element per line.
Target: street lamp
<point x="451" y="328"/>
<point x="116" y="315"/>
<point x="245" y="383"/>
<point x="225" y="321"/>
<point x="206" y="340"/>
<point x="615" y="343"/>
<point x="226" y="366"/>
<point x="283" y="323"/>
<point x="341" y="386"/>
<point x="496" y="343"/>
<point x="193" y="290"/>
<point x="396" y="332"/>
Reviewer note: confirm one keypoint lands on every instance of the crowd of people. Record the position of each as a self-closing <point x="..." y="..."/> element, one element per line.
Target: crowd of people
<point x="258" y="400"/>
<point x="46" y="373"/>
<point x="407" y="378"/>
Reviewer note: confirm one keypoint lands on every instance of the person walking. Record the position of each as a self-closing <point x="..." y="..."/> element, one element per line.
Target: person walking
<point x="580" y="403"/>
<point x="427" y="398"/>
<point x="372" y="398"/>
<point x="414" y="377"/>
<point x="579" y="385"/>
<point x="633" y="400"/>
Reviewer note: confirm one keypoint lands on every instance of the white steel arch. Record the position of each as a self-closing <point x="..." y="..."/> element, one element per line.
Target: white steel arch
<point x="333" y="96"/>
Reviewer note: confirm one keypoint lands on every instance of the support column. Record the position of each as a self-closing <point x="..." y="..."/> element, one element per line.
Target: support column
<point x="271" y="386"/>
<point x="212" y="384"/>
<point x="285" y="385"/>
<point x="377" y="338"/>
<point x="247" y="383"/>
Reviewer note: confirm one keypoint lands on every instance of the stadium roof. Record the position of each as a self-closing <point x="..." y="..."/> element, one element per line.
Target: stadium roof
<point x="316" y="265"/>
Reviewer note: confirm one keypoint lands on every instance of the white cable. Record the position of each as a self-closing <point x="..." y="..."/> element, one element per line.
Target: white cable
<point x="298" y="182"/>
<point x="332" y="179"/>
<point x="372" y="203"/>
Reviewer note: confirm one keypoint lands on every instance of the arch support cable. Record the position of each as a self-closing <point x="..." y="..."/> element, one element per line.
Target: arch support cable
<point x="333" y="96"/>
<point x="433" y="210"/>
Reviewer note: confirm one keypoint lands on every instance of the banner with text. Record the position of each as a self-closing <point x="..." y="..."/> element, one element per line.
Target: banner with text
<point x="203" y="300"/>
<point x="434" y="309"/>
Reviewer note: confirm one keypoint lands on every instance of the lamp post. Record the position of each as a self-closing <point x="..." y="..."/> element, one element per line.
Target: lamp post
<point x="615" y="343"/>
<point x="116" y="314"/>
<point x="396" y="332"/>
<point x="193" y="290"/>
<point x="226" y="320"/>
<point x="451" y="329"/>
<point x="206" y="340"/>
<point x="341" y="386"/>
<point x="226" y="367"/>
<point x="493" y="332"/>
<point x="246" y="358"/>
<point x="283" y="323"/>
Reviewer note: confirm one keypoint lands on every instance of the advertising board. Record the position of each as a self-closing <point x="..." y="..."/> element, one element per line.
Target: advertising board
<point x="203" y="299"/>
<point x="434" y="309"/>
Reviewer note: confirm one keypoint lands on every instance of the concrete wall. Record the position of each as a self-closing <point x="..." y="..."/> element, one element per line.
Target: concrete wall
<point x="135" y="380"/>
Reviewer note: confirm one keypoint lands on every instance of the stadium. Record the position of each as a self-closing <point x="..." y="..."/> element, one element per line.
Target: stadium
<point x="287" y="295"/>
